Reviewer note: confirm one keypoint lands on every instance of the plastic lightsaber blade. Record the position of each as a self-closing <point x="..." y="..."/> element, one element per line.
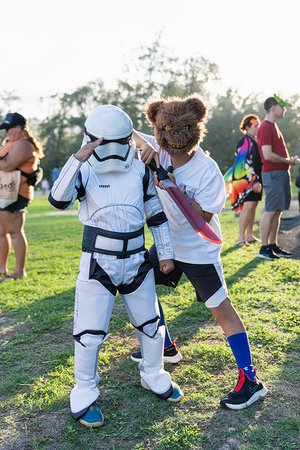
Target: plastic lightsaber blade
<point x="201" y="227"/>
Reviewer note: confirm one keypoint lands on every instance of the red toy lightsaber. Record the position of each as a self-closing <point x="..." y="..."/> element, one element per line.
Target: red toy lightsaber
<point x="201" y="227"/>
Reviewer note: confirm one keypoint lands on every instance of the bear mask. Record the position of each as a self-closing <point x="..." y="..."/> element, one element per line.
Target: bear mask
<point x="179" y="123"/>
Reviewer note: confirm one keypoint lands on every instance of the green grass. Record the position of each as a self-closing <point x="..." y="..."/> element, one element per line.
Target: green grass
<point x="36" y="354"/>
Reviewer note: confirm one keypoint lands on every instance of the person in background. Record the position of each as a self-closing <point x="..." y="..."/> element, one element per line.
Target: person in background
<point x="45" y="186"/>
<point x="297" y="183"/>
<point x="20" y="151"/>
<point x="54" y="175"/>
<point x="275" y="177"/>
<point x="248" y="165"/>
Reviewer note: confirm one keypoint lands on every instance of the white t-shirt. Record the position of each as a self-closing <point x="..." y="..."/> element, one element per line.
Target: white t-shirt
<point x="203" y="182"/>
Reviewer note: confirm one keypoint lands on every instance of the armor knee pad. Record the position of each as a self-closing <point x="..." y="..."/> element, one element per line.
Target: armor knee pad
<point x="150" y="327"/>
<point x="90" y="338"/>
<point x="87" y="347"/>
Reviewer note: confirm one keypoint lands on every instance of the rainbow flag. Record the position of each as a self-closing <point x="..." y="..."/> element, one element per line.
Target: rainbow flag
<point x="239" y="178"/>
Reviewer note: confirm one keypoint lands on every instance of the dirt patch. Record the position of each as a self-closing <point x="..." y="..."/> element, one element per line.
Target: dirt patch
<point x="28" y="433"/>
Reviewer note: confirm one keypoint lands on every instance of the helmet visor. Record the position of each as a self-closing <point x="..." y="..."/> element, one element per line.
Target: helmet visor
<point x="112" y="150"/>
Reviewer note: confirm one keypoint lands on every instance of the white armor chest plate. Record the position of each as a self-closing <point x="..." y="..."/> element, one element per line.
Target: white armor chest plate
<point x="114" y="201"/>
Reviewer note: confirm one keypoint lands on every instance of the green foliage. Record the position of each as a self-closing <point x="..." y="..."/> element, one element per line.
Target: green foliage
<point x="7" y="101"/>
<point x="154" y="72"/>
<point x="36" y="363"/>
<point x="223" y="130"/>
<point x="61" y="132"/>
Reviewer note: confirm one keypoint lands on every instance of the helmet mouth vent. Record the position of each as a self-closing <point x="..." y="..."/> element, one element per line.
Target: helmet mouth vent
<point x="112" y="150"/>
<point x="117" y="154"/>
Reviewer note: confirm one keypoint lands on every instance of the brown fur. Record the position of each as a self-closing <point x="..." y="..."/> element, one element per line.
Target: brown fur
<point x="179" y="123"/>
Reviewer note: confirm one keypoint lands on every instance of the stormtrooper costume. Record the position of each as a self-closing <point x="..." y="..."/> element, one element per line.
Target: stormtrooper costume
<point x="115" y="193"/>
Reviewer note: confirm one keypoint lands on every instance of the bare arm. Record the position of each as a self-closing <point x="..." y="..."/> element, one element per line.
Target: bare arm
<point x="147" y="152"/>
<point x="207" y="216"/>
<point x="138" y="139"/>
<point x="20" y="153"/>
<point x="269" y="155"/>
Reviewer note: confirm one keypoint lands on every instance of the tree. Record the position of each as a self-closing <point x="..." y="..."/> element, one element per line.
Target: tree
<point x="61" y="132"/>
<point x="7" y="101"/>
<point x="290" y="125"/>
<point x="223" y="129"/>
<point x="154" y="73"/>
<point x="158" y="73"/>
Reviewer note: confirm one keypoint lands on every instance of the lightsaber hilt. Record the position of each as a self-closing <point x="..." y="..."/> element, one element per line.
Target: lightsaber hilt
<point x="162" y="174"/>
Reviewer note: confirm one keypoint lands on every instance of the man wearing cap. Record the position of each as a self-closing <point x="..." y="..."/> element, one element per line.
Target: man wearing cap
<point x="275" y="177"/>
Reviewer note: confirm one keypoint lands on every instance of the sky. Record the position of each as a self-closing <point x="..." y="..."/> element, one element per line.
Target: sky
<point x="55" y="46"/>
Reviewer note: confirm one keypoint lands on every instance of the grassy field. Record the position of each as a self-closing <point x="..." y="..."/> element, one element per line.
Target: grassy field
<point x="36" y="355"/>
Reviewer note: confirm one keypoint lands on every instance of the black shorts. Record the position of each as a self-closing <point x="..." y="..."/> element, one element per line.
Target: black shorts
<point x="207" y="279"/>
<point x="19" y="205"/>
<point x="253" y="197"/>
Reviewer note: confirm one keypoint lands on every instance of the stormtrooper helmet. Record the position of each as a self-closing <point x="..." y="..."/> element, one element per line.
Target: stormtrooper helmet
<point x="117" y="150"/>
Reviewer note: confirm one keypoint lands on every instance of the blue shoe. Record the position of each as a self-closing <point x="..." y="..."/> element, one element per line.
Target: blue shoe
<point x="174" y="394"/>
<point x="93" y="417"/>
<point x="177" y="394"/>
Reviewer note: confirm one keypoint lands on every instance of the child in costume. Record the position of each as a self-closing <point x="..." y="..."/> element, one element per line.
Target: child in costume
<point x="179" y="126"/>
<point x="115" y="193"/>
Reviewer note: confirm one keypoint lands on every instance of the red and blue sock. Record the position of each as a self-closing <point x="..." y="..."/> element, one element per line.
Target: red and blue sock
<point x="240" y="348"/>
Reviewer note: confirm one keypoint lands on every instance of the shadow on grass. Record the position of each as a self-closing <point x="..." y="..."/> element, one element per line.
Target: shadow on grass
<point x="42" y="334"/>
<point x="38" y="353"/>
<point x="229" y="250"/>
<point x="244" y="271"/>
<point x="131" y="414"/>
<point x="269" y="423"/>
<point x="195" y="316"/>
<point x="47" y="323"/>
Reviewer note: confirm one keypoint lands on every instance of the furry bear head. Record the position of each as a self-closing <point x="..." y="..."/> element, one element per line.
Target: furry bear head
<point x="179" y="123"/>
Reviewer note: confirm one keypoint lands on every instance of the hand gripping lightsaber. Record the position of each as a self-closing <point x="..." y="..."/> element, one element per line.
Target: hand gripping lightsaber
<point x="201" y="227"/>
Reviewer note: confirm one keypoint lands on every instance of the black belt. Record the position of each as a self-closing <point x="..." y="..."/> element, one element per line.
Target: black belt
<point x="90" y="235"/>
